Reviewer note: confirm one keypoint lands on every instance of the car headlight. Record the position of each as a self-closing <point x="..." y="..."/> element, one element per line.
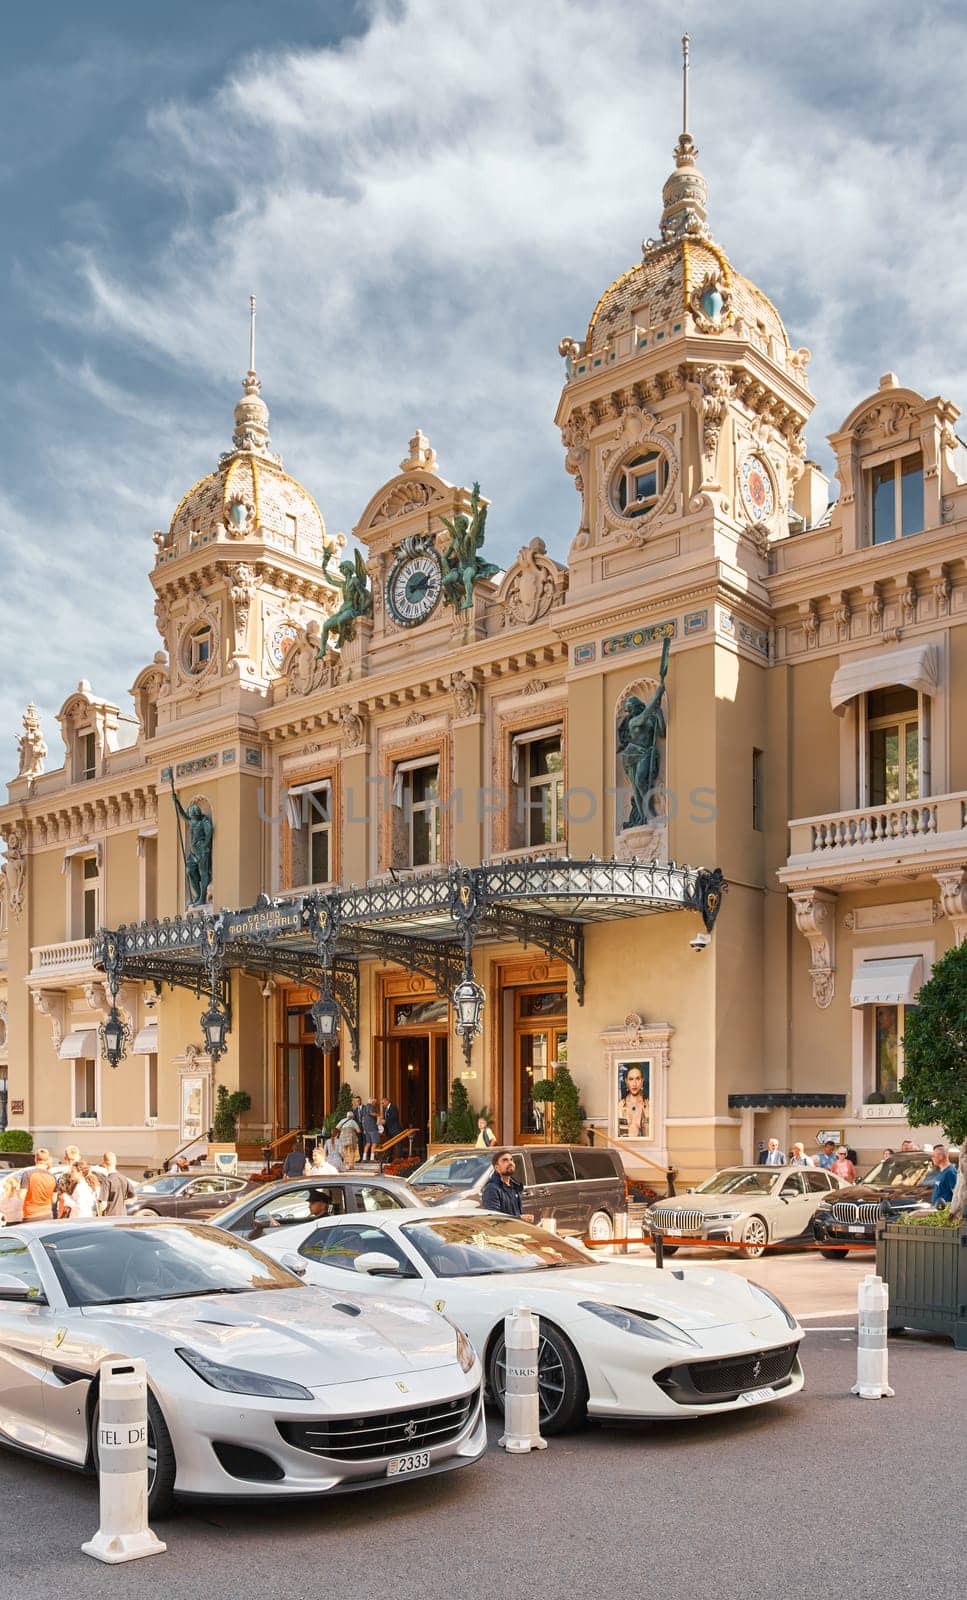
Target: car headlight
<point x="466" y="1354"/>
<point x="638" y="1322"/>
<point x="234" y="1380"/>
<point x="764" y="1294"/>
<point x="720" y="1216"/>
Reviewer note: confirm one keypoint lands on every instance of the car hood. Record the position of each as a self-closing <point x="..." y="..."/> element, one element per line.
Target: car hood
<point x="895" y="1194"/>
<point x="694" y="1298"/>
<point x="309" y="1335"/>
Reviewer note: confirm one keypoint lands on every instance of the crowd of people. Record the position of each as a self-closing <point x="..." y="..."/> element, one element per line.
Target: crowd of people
<point x="356" y="1137"/>
<point x="842" y="1161"/>
<point x="69" y="1190"/>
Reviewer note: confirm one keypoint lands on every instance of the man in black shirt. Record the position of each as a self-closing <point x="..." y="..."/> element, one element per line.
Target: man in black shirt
<point x="116" y="1189"/>
<point x="502" y="1192"/>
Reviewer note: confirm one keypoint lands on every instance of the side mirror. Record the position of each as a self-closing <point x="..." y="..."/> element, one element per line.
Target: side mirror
<point x="12" y="1288"/>
<point x="293" y="1263"/>
<point x="376" y="1262"/>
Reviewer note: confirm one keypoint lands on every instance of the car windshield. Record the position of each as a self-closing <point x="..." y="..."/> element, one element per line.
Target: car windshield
<point x="457" y="1169"/>
<point x="899" y="1172"/>
<point x="463" y="1247"/>
<point x="99" y="1266"/>
<point x="739" y="1180"/>
<point x="168" y="1185"/>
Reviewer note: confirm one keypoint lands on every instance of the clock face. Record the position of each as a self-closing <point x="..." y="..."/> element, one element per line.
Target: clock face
<point x="280" y="638"/>
<point x="756" y="486"/>
<point x="414" y="586"/>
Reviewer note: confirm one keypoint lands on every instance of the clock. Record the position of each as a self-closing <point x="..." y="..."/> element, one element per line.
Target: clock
<point x="415" y="582"/>
<point x="279" y="640"/>
<point x="755" y="484"/>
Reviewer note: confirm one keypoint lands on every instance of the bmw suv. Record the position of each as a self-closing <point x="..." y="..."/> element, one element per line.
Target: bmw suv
<point x="896" y="1186"/>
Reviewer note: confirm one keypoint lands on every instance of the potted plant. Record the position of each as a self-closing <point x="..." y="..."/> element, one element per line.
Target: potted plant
<point x="16" y="1147"/>
<point x="568" y="1116"/>
<point x="542" y="1093"/>
<point x="228" y="1109"/>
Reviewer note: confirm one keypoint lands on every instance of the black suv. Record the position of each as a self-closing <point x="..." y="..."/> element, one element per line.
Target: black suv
<point x="898" y="1184"/>
<point x="583" y="1190"/>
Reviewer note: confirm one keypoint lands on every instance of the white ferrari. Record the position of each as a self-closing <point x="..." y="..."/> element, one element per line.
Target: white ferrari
<point x="618" y="1338"/>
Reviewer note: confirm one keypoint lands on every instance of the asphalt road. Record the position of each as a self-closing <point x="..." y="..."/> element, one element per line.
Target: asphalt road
<point x="821" y="1492"/>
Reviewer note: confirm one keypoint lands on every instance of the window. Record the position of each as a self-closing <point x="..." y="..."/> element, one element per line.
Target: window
<point x="537" y="769"/>
<point x="817" y="1181"/>
<point x="87" y="755"/>
<point x="893" y="742"/>
<point x="90" y="895"/>
<point x="296" y="1205"/>
<point x="641" y="484"/>
<point x="370" y="1198"/>
<point x="416" y="799"/>
<point x="896" y="498"/>
<point x="309" y="811"/>
<point x="339" y="1247"/>
<point x="15" y="1260"/>
<point x="198" y="648"/>
<point x="85" y="1088"/>
<point x="757" y="790"/>
<point x="792" y="1188"/>
<point x="151" y="1086"/>
<point x="594" y="1164"/>
<point x="552" y="1166"/>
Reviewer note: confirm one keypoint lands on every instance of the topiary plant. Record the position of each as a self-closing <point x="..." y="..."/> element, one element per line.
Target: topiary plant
<point x="228" y="1109"/>
<point x="16" y="1141"/>
<point x="461" y="1117"/>
<point x="568" y="1121"/>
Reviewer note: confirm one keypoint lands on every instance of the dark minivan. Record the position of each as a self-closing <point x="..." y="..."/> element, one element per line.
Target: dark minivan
<point x="583" y="1190"/>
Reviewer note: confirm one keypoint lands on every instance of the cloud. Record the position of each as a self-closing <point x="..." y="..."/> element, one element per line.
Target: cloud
<point x="425" y="209"/>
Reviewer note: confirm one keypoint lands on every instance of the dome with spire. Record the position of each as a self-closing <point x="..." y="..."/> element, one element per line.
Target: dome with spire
<point x="248" y="496"/>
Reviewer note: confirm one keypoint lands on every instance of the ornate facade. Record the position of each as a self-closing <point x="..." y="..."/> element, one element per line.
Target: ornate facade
<point x="805" y="738"/>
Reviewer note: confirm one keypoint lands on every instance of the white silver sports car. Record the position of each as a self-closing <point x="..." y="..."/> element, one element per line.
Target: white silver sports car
<point x="619" y="1338"/>
<point x="259" y="1385"/>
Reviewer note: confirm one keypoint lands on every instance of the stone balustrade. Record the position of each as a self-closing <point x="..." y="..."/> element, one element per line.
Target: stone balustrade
<point x="73" y="955"/>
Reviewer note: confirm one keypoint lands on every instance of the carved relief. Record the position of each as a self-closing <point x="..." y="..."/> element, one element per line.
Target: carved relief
<point x="465" y="694"/>
<point x="31" y="745"/>
<point x="15" y="874"/>
<point x="52" y="1003"/>
<point x="405" y="497"/>
<point x="533" y="584"/>
<point x="353" y="727"/>
<point x="305" y="671"/>
<point x="242" y="581"/>
<point x="662" y="436"/>
<point x="712" y="393"/>
<point x="953" y="899"/>
<point x="816" y="921"/>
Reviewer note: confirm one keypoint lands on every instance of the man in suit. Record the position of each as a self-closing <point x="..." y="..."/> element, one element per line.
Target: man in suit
<point x="391" y="1121"/>
<point x="774" y="1156"/>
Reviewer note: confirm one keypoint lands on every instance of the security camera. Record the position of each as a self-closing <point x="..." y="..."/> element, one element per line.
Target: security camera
<point x="701" y="941"/>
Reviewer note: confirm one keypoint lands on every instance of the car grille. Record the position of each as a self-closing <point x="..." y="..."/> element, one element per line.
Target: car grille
<point x="676" y="1220"/>
<point x="867" y="1211"/>
<point x="386" y="1433"/>
<point x="698" y="1382"/>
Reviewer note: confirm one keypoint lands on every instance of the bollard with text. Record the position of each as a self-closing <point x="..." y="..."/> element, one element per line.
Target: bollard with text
<point x="871" y="1351"/>
<point x="122" y="1459"/>
<point x="521" y="1404"/>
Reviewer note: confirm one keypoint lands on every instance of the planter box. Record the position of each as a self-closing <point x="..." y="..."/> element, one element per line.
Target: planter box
<point x="17" y="1158"/>
<point x="925" y="1270"/>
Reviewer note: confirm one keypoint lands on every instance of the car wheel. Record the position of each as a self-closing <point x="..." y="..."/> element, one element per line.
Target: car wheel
<point x="600" y="1226"/>
<point x="562" y="1388"/>
<point x="146" y="1211"/>
<point x="161" y="1459"/>
<point x="755" y="1237"/>
<point x="834" y="1255"/>
<point x="667" y="1250"/>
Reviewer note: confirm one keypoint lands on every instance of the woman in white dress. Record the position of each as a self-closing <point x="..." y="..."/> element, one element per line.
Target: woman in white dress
<point x="80" y="1199"/>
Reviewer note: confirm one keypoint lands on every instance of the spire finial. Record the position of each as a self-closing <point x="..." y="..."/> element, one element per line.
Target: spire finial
<point x="251" y="413"/>
<point x="685" y="44"/>
<point x="251" y="333"/>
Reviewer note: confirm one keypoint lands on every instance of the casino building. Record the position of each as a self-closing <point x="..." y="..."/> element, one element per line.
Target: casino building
<point x="437" y="821"/>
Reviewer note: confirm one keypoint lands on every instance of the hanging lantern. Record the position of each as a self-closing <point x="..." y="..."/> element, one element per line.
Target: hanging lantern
<point x="215" y="1024"/>
<point x="325" y="1016"/>
<point x="114" y="1037"/>
<point x="468" y="1001"/>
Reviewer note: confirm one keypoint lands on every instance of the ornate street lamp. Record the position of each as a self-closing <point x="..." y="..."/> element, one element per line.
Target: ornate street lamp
<point x="468" y="1001"/>
<point x="325" y="1016"/>
<point x="215" y="1023"/>
<point x="115" y="1034"/>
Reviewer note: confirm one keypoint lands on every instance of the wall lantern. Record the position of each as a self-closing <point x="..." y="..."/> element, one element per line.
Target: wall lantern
<point x="115" y="1034"/>
<point x="214" y="1023"/>
<point x="325" y="1015"/>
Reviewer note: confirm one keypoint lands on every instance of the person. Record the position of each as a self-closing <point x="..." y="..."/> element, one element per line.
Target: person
<point x="116" y="1189"/>
<point x="11" y="1199"/>
<point x="294" y="1165"/>
<point x="887" y="1153"/>
<point x="391" y="1120"/>
<point x="370" y="1129"/>
<point x="945" y="1177"/>
<point x="842" y="1166"/>
<point x="79" y="1197"/>
<point x="348" y="1134"/>
<point x="827" y="1154"/>
<point x="774" y="1156"/>
<point x="333" y="1152"/>
<point x="358" y="1116"/>
<point x="907" y="1144"/>
<point x="502" y="1192"/>
<point x="319" y="1162"/>
<point x="799" y="1157"/>
<point x="633" y="1106"/>
<point x="39" y="1190"/>
<point x="485" y="1134"/>
<point x="319" y="1205"/>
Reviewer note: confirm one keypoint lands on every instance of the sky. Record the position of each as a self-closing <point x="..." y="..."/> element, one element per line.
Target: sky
<point x="425" y="197"/>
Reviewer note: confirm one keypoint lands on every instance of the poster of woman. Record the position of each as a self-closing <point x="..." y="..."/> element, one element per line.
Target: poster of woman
<point x="634" y="1091"/>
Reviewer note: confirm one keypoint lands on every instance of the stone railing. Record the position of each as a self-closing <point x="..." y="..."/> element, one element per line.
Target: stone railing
<point x="533" y="852"/>
<point x="917" y="824"/>
<point x="74" y="955"/>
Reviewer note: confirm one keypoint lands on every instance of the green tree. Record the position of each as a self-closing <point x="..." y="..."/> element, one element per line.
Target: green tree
<point x="568" y="1122"/>
<point x="461" y="1117"/>
<point x="228" y="1109"/>
<point x="935" y="1057"/>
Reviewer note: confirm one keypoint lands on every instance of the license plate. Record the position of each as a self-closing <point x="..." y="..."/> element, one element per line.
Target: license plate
<point x="414" y="1463"/>
<point x="755" y="1396"/>
<point x="856" y="1227"/>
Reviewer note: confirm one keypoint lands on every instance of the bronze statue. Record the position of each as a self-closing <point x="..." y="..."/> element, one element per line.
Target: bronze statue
<point x="639" y="730"/>
<point x="462" y="567"/>
<point x="357" y="599"/>
<point x="197" y="854"/>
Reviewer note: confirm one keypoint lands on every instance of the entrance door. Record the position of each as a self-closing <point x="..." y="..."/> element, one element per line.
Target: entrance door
<point x="308" y="1078"/>
<point x="411" y="1070"/>
<point x="540" y="1041"/>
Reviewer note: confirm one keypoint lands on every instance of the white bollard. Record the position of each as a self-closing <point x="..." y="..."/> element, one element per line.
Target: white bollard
<point x="621" y="1232"/>
<point x="122" y="1448"/>
<point x="521" y="1406"/>
<point x="871" y="1351"/>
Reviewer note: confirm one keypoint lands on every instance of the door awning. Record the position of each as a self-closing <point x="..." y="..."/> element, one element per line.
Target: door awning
<point x="81" y="1045"/>
<point x="893" y="980"/>
<point x="146" y="1041"/>
<point x="916" y="667"/>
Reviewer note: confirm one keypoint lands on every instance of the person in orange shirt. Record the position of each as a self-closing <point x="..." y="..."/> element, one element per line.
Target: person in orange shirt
<point x="39" y="1190"/>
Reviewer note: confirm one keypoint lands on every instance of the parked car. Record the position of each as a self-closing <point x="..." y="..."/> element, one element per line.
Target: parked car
<point x="184" y="1195"/>
<point x="618" y="1338"/>
<point x="281" y="1205"/>
<point x="749" y="1206"/>
<point x="895" y="1186"/>
<point x="583" y="1190"/>
<point x="276" y="1389"/>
